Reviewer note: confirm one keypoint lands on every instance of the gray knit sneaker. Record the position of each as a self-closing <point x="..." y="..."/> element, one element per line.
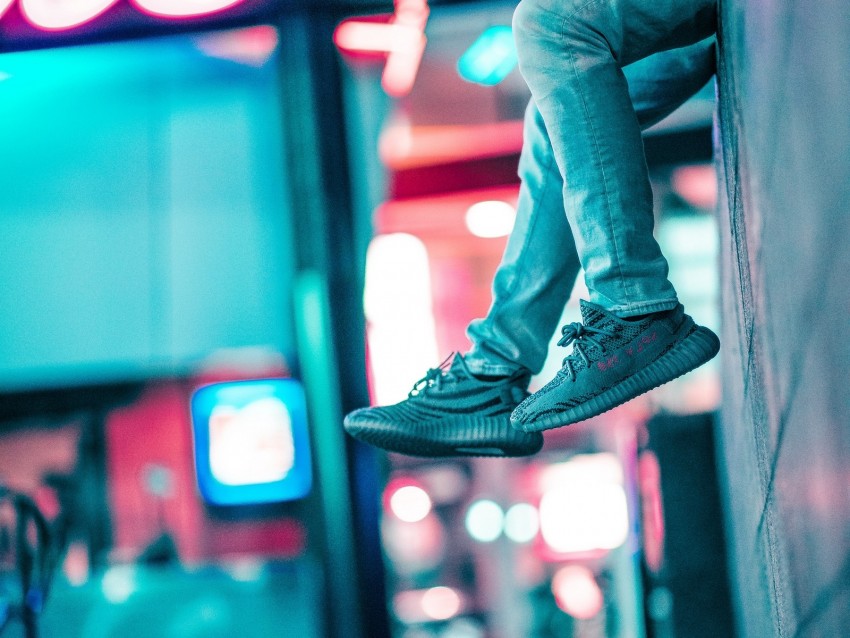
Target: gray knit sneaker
<point x="450" y="412"/>
<point x="614" y="360"/>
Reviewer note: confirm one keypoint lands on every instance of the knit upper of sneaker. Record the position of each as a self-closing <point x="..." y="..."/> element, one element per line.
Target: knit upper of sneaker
<point x="609" y="331"/>
<point x="605" y="350"/>
<point x="447" y="391"/>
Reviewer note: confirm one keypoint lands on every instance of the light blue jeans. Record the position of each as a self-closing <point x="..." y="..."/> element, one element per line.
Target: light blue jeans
<point x="599" y="72"/>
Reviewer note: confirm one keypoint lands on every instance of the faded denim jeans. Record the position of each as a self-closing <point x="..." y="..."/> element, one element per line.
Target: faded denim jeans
<point x="599" y="72"/>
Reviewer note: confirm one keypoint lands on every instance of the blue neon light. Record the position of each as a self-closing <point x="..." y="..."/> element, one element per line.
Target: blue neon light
<point x="251" y="442"/>
<point x="490" y="58"/>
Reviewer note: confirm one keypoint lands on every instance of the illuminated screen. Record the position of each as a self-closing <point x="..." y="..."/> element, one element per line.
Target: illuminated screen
<point x="251" y="442"/>
<point x="143" y="223"/>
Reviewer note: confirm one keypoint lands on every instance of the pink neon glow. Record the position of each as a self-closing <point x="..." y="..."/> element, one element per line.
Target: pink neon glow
<point x="403" y="64"/>
<point x="697" y="185"/>
<point x="183" y="8"/>
<point x="441" y="603"/>
<point x="577" y="592"/>
<point x="5" y="4"/>
<point x="652" y="510"/>
<point x="56" y="15"/>
<point x="396" y="485"/>
<point x="376" y="37"/>
<point x="401" y="68"/>
<point x="403" y="39"/>
<point x="253" y="46"/>
<point x="402" y="146"/>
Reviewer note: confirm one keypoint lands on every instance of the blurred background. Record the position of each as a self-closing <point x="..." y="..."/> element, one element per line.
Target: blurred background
<point x="225" y="223"/>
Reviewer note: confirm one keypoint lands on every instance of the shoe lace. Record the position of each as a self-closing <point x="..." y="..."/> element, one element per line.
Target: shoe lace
<point x="434" y="378"/>
<point x="582" y="337"/>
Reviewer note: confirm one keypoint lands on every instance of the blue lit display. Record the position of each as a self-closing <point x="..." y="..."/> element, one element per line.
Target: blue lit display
<point x="251" y="442"/>
<point x="490" y="58"/>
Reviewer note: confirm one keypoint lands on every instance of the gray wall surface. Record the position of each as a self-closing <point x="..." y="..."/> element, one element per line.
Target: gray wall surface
<point x="784" y="147"/>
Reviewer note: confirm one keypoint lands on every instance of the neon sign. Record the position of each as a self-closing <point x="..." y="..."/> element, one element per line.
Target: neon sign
<point x="183" y="8"/>
<point x="400" y="38"/>
<point x="61" y="15"/>
<point x="54" y="15"/>
<point x="4" y="5"/>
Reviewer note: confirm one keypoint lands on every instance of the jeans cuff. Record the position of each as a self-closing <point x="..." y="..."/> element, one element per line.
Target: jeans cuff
<point x="643" y="307"/>
<point x="478" y="365"/>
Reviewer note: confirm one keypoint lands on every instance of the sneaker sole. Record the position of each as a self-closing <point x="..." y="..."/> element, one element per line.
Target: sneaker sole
<point x="693" y="351"/>
<point x="460" y="436"/>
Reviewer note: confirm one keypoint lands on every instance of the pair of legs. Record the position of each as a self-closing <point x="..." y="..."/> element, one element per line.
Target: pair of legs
<point x="585" y="202"/>
<point x="587" y="125"/>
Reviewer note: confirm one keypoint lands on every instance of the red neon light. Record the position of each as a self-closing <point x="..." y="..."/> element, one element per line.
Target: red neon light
<point x="402" y="66"/>
<point x="370" y="37"/>
<point x="183" y="8"/>
<point x="402" y="146"/>
<point x="402" y="39"/>
<point x="253" y="46"/>
<point x="697" y="185"/>
<point x="5" y="4"/>
<point x="652" y="510"/>
<point x="56" y="15"/>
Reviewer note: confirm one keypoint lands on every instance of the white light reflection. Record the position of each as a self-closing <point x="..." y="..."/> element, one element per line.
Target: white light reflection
<point x="584" y="506"/>
<point x="398" y="304"/>
<point x="491" y="218"/>
<point x="118" y="583"/>
<point x="410" y="503"/>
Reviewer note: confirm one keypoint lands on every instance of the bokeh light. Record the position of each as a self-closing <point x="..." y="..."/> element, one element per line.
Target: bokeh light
<point x="492" y="218"/>
<point x="573" y="522"/>
<point x="119" y="583"/>
<point x="490" y="58"/>
<point x="697" y="185"/>
<point x="410" y="503"/>
<point x="577" y="592"/>
<point x="416" y="606"/>
<point x="484" y="520"/>
<point x="522" y="522"/>
<point x="414" y="548"/>
<point x="398" y="303"/>
<point x="584" y="506"/>
<point x="441" y="603"/>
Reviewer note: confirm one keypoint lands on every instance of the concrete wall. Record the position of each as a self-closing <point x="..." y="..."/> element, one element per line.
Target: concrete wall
<point x="784" y="128"/>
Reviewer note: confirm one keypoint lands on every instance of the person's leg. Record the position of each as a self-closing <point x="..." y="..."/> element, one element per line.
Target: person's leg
<point x="537" y="271"/>
<point x="662" y="82"/>
<point x="634" y="334"/>
<point x="571" y="53"/>
<point x="540" y="263"/>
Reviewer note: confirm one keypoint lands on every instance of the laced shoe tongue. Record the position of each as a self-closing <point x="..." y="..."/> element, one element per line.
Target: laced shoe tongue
<point x="593" y="315"/>
<point x="458" y="367"/>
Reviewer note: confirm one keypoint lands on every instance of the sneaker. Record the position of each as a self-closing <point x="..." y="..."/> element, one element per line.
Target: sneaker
<point x="450" y="412"/>
<point x="614" y="360"/>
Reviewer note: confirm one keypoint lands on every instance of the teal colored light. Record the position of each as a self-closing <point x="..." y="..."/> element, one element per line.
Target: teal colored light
<point x="490" y="58"/>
